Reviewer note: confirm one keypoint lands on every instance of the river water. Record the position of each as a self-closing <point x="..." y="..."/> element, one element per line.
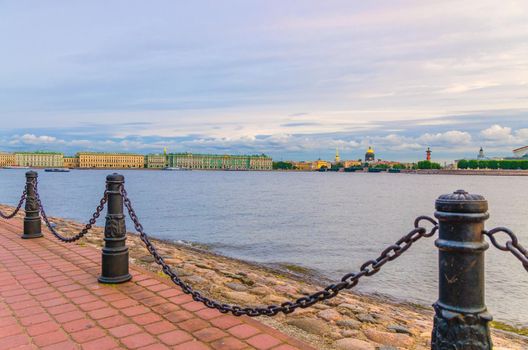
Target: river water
<point x="329" y="222"/>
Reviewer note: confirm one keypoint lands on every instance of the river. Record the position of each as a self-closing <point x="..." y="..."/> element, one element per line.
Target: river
<point x="328" y="222"/>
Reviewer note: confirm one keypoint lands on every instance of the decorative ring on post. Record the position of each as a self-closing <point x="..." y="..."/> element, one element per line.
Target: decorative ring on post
<point x="32" y="224"/>
<point x="115" y="252"/>
<point x="461" y="320"/>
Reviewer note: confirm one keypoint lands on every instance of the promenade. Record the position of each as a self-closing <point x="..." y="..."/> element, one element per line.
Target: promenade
<point x="50" y="299"/>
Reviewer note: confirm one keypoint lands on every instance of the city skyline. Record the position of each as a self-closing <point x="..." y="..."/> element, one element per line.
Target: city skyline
<point x="294" y="81"/>
<point x="336" y="158"/>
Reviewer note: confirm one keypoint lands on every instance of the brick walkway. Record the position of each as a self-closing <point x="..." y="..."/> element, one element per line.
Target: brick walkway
<point x="50" y="299"/>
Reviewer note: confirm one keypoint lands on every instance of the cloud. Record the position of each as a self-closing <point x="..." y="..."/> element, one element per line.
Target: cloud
<point x="497" y="133"/>
<point x="375" y="61"/>
<point x="32" y="139"/>
<point x="460" y="88"/>
<point x="453" y="137"/>
<point x="503" y="135"/>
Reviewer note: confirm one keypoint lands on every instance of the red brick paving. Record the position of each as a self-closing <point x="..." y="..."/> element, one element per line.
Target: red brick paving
<point x="50" y="299"/>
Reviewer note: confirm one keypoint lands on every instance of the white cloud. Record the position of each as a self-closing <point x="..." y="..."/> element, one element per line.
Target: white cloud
<point x="453" y="137"/>
<point x="502" y="135"/>
<point x="32" y="139"/>
<point x="497" y="133"/>
<point x="460" y="88"/>
<point x="522" y="134"/>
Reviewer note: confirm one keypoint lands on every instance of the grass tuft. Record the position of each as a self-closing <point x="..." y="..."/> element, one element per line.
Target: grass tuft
<point x="506" y="327"/>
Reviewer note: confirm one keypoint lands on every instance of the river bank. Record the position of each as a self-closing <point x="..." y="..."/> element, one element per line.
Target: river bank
<point x="349" y="321"/>
<point x="476" y="172"/>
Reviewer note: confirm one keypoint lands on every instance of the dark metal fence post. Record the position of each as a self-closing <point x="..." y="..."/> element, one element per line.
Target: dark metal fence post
<point x="461" y="320"/>
<point x="32" y="224"/>
<point x="115" y="251"/>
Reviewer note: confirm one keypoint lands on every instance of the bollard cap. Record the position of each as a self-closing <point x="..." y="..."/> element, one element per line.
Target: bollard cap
<point x="461" y="202"/>
<point x="31" y="173"/>
<point x="115" y="177"/>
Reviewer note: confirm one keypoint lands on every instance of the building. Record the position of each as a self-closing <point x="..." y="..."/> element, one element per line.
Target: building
<point x="428" y="154"/>
<point x="7" y="159"/>
<point x="337" y="158"/>
<point x="39" y="159"/>
<point x="303" y="165"/>
<point x="318" y="164"/>
<point x="352" y="163"/>
<point x="481" y="155"/>
<point x="521" y="152"/>
<point x="111" y="160"/>
<point x="370" y="156"/>
<point x="219" y="162"/>
<point x="71" y="162"/>
<point x="156" y="161"/>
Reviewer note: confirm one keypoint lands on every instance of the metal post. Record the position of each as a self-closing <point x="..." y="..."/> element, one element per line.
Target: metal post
<point x="461" y="320"/>
<point x="32" y="225"/>
<point x="115" y="251"/>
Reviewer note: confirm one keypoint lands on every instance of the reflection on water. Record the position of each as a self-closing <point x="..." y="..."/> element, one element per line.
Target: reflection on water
<point x="330" y="222"/>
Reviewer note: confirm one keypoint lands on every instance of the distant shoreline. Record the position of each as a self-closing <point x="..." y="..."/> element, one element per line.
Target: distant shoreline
<point x="477" y="172"/>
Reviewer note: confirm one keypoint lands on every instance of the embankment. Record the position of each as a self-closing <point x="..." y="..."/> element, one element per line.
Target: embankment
<point x="349" y="321"/>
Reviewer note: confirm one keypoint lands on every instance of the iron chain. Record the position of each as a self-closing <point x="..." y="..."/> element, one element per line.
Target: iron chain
<point x="348" y="281"/>
<point x="17" y="209"/>
<point x="512" y="245"/>
<point x="85" y="229"/>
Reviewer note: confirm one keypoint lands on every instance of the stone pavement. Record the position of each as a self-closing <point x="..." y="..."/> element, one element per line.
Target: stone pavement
<point x="50" y="299"/>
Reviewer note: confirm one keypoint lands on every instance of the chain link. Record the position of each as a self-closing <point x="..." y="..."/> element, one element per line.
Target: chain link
<point x="17" y="209"/>
<point x="86" y="228"/>
<point x="512" y="245"/>
<point x="348" y="281"/>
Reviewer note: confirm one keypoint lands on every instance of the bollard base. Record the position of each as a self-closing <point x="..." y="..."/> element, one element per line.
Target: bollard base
<point x="31" y="235"/>
<point x="453" y="330"/>
<point x="32" y="226"/>
<point x="114" y="265"/>
<point x="114" y="280"/>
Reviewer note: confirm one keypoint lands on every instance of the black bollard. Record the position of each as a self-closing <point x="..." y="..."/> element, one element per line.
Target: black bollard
<point x="461" y="319"/>
<point x="115" y="252"/>
<point x="32" y="225"/>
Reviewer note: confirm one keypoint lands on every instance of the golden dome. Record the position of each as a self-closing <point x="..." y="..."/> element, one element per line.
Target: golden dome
<point x="370" y="150"/>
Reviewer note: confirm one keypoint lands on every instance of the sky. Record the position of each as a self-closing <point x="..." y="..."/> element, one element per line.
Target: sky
<point x="292" y="79"/>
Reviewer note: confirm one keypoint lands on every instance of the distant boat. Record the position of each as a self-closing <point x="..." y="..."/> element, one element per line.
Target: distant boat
<point x="57" y="170"/>
<point x="394" y="171"/>
<point x="15" y="167"/>
<point x="175" y="168"/>
<point x="375" y="170"/>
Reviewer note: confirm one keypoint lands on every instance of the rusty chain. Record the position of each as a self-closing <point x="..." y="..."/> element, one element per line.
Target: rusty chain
<point x="17" y="209"/>
<point x="512" y="245"/>
<point x="85" y="229"/>
<point x="348" y="281"/>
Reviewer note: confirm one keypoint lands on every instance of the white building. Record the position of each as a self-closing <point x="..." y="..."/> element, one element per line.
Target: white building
<point x="521" y="152"/>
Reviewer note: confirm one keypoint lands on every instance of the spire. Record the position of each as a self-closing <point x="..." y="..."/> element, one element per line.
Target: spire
<point x="481" y="154"/>
<point x="337" y="158"/>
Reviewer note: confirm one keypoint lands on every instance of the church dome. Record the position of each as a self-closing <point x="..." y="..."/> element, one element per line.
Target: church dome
<point x="369" y="156"/>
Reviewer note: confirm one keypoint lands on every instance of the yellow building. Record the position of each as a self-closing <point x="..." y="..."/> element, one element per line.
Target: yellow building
<point x="156" y="161"/>
<point x="110" y="160"/>
<point x="352" y="163"/>
<point x="71" y="162"/>
<point x="318" y="164"/>
<point x="303" y="165"/>
<point x="39" y="159"/>
<point x="7" y="159"/>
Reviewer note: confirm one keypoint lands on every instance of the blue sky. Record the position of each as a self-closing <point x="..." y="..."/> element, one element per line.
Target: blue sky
<point x="293" y="79"/>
